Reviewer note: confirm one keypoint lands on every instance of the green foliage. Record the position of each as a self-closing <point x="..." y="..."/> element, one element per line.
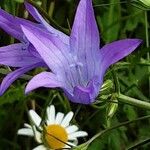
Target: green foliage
<point x="130" y="76"/>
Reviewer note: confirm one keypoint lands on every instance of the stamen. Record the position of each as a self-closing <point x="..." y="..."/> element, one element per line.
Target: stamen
<point x="78" y="66"/>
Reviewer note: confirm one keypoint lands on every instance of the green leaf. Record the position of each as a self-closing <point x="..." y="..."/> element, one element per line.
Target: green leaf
<point x="13" y="95"/>
<point x="19" y="1"/>
<point x="110" y="22"/>
<point x="130" y="112"/>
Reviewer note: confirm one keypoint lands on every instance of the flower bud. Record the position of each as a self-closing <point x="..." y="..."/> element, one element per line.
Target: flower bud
<point x="112" y="108"/>
<point x="107" y="85"/>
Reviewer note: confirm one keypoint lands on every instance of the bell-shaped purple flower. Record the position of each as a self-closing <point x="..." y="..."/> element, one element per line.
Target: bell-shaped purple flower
<point x="78" y="66"/>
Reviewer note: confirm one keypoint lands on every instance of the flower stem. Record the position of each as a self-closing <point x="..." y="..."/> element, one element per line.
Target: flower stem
<point x="133" y="101"/>
<point x="51" y="8"/>
<point x="100" y="134"/>
<point x="147" y="43"/>
<point x="146" y="30"/>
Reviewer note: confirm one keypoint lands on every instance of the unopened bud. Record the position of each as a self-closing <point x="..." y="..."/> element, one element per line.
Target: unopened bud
<point x="108" y="84"/>
<point x="112" y="108"/>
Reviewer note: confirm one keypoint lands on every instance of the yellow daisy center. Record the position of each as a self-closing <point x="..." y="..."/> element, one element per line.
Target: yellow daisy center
<point x="56" y="136"/>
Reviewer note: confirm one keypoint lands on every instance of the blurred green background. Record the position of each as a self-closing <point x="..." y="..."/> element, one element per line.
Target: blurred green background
<point x="116" y="20"/>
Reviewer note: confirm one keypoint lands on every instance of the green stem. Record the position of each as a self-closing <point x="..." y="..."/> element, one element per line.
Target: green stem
<point x="100" y="134"/>
<point x="51" y="21"/>
<point x="138" y="144"/>
<point x="146" y="30"/>
<point x="115" y="77"/>
<point x="133" y="101"/>
<point x="147" y="44"/>
<point x="115" y="3"/>
<point x="51" y="8"/>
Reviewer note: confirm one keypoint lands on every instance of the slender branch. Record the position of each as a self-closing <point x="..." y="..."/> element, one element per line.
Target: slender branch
<point x="133" y="101"/>
<point x="102" y="5"/>
<point x="123" y="2"/>
<point x="51" y="8"/>
<point x="147" y="43"/>
<point x="116" y="82"/>
<point x="100" y="134"/>
<point x="136" y="145"/>
<point x="146" y="30"/>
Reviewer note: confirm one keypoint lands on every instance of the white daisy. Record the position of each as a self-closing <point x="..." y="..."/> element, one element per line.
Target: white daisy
<point x="56" y="133"/>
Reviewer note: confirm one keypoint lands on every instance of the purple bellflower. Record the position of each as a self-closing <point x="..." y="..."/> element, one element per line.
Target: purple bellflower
<point x="79" y="66"/>
<point x="22" y="55"/>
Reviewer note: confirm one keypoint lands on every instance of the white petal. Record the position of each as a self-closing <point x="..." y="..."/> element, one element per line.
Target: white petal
<point x="40" y="147"/>
<point x="69" y="145"/>
<point x="38" y="135"/>
<point x="59" y="118"/>
<point x="71" y="129"/>
<point x="35" y="118"/>
<point x="75" y="141"/>
<point x="50" y="115"/>
<point x="67" y="119"/>
<point x="77" y="134"/>
<point x="25" y="131"/>
<point x="27" y="125"/>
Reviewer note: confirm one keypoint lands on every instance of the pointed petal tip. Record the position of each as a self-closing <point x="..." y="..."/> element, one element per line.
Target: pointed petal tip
<point x="138" y="41"/>
<point x="28" y="6"/>
<point x="134" y="42"/>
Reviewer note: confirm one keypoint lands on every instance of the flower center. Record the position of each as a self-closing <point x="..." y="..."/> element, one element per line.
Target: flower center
<point x="56" y="136"/>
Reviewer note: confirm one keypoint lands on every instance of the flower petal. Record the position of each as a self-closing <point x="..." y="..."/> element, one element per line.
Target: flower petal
<point x="40" y="147"/>
<point x="42" y="41"/>
<point x="50" y="115"/>
<point x="69" y="145"/>
<point x="66" y="121"/>
<point x="53" y="52"/>
<point x="15" y="55"/>
<point x="25" y="131"/>
<point x="9" y="25"/>
<point x="86" y="95"/>
<point x="37" y="135"/>
<point x="33" y="11"/>
<point x="84" y="38"/>
<point x="36" y="119"/>
<point x="81" y="95"/>
<point x="59" y="118"/>
<point x="46" y="79"/>
<point x="71" y="129"/>
<point x="77" y="134"/>
<point x="113" y="52"/>
<point x="11" y="77"/>
<point x="27" y="125"/>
